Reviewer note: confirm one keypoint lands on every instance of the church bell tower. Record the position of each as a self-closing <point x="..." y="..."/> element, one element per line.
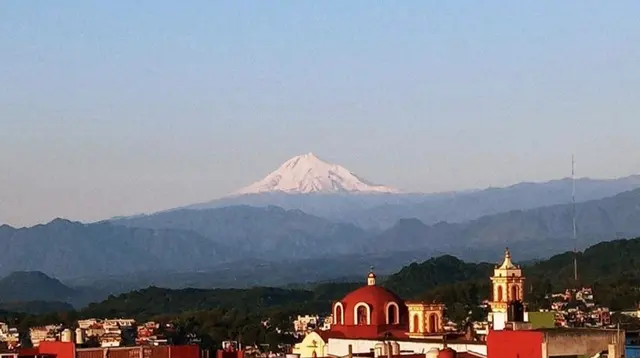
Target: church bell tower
<point x="507" y="283"/>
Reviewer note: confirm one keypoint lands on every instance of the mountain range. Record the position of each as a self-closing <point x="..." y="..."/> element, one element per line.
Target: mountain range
<point x="611" y="269"/>
<point x="316" y="187"/>
<point x="328" y="223"/>
<point x="63" y="248"/>
<point x="233" y="241"/>
<point x="35" y="292"/>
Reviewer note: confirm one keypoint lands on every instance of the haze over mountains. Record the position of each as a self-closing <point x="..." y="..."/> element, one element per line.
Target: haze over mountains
<point x="325" y="221"/>
<point x="308" y="183"/>
<point x="610" y="267"/>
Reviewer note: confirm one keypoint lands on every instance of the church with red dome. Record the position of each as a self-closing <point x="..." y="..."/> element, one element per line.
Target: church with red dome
<point x="370" y="317"/>
<point x="374" y="322"/>
<point x="373" y="311"/>
<point x="370" y="311"/>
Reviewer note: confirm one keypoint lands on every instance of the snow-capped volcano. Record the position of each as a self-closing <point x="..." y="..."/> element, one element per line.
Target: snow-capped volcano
<point x="309" y="174"/>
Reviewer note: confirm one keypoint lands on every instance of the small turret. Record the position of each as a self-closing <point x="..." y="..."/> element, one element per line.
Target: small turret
<point x="371" y="278"/>
<point x="507" y="264"/>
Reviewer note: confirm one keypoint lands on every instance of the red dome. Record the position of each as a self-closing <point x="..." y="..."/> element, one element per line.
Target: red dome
<point x="372" y="295"/>
<point x="378" y="307"/>
<point x="370" y="311"/>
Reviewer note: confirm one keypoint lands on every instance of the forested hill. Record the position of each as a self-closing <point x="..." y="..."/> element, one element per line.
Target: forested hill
<point x="612" y="268"/>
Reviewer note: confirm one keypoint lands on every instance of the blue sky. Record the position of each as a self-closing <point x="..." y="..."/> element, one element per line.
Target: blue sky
<point x="119" y="107"/>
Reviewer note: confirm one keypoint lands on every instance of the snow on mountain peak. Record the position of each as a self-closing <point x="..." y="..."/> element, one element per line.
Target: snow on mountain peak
<point x="307" y="173"/>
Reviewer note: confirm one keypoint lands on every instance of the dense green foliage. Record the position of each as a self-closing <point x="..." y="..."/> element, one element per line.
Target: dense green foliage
<point x="221" y="314"/>
<point x="417" y="279"/>
<point x="36" y="307"/>
<point x="611" y="268"/>
<point x="144" y="304"/>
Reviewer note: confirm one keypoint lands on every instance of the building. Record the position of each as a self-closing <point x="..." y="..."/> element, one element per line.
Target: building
<point x="314" y="343"/>
<point x="556" y="342"/>
<point x="70" y="350"/>
<point x="9" y="335"/>
<point x="109" y="332"/>
<point x="148" y="334"/>
<point x="44" y="333"/>
<point x="23" y="353"/>
<point x="306" y="322"/>
<point x="370" y="318"/>
<point x="112" y="336"/>
<point x="372" y="321"/>
<point x="326" y="323"/>
<point x="507" y="290"/>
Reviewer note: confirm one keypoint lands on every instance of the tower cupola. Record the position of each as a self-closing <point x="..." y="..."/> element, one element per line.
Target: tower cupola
<point x="371" y="278"/>
<point x="507" y="282"/>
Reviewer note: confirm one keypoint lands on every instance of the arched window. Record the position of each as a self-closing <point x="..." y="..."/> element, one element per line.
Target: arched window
<point x="362" y="315"/>
<point x="393" y="316"/>
<point x="339" y="318"/>
<point x="416" y="323"/>
<point x="499" y="294"/>
<point x="433" y="323"/>
<point x="514" y="293"/>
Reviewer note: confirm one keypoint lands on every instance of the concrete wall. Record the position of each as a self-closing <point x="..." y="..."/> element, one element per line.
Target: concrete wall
<point x="587" y="342"/>
<point x="340" y="347"/>
<point x="499" y="319"/>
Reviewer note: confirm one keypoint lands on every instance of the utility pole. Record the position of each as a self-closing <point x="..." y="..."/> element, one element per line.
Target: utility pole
<point x="573" y="216"/>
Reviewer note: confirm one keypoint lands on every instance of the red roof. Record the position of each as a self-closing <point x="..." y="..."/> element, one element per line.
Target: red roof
<point x="468" y="355"/>
<point x="373" y="295"/>
<point x="411" y="355"/>
<point x="330" y="334"/>
<point x="28" y="351"/>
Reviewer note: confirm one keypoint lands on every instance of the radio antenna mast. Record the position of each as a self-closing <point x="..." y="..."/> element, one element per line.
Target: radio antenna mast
<point x="573" y="217"/>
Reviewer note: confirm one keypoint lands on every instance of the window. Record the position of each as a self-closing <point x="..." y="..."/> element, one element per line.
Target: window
<point x="339" y="315"/>
<point x="416" y="323"/>
<point x="392" y="314"/>
<point x="362" y="315"/>
<point x="433" y="323"/>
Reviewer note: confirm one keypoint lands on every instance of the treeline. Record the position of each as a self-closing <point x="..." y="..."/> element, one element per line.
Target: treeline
<point x="259" y="315"/>
<point x="251" y="316"/>
<point x="611" y="268"/>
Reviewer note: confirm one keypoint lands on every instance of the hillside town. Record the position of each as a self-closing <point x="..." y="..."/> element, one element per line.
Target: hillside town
<point x="113" y="332"/>
<point x="374" y="320"/>
<point x="319" y="179"/>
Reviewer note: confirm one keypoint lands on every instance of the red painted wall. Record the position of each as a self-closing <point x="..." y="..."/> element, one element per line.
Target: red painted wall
<point x="28" y="352"/>
<point x="229" y="354"/>
<point x="60" y="349"/>
<point x="514" y="344"/>
<point x="68" y="350"/>
<point x="187" y="351"/>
